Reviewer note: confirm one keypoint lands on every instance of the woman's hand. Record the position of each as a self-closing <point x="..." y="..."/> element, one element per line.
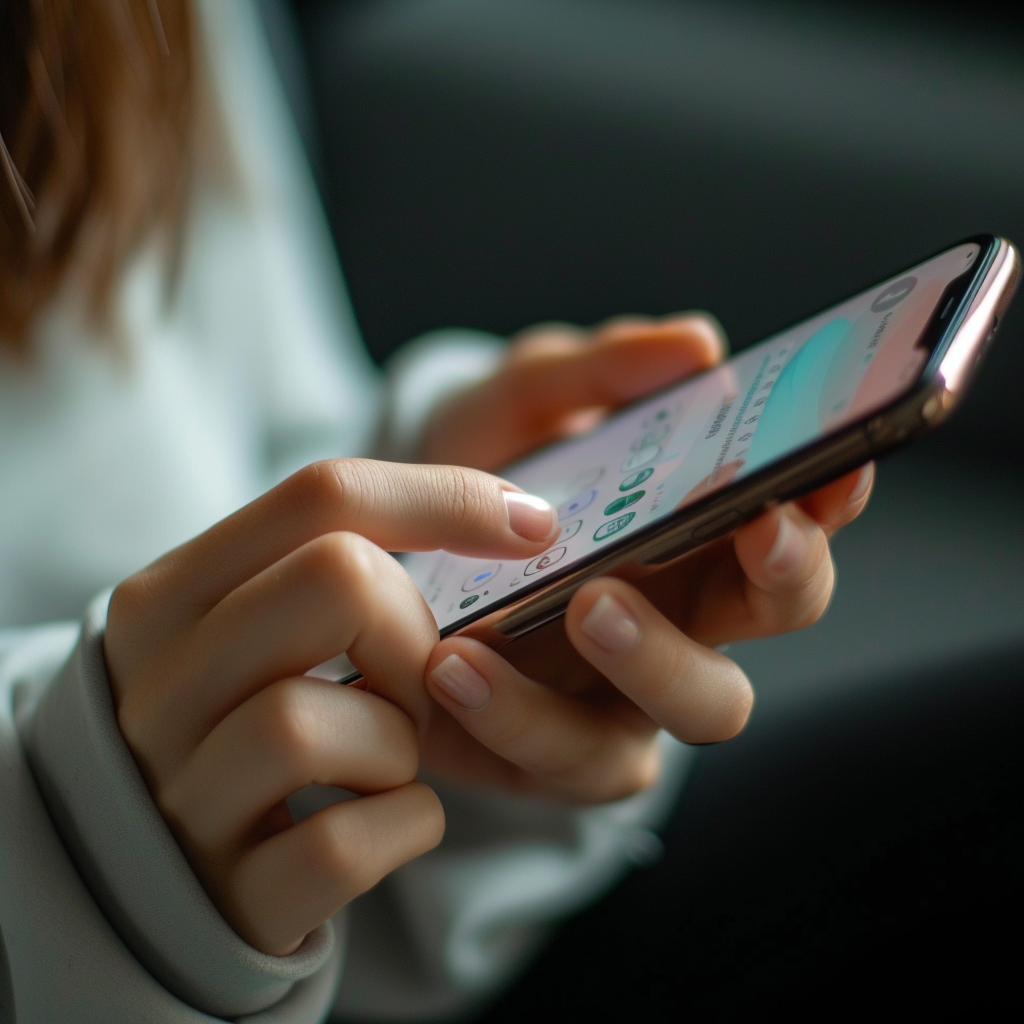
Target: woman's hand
<point x="206" y="651"/>
<point x="559" y="379"/>
<point x="573" y="709"/>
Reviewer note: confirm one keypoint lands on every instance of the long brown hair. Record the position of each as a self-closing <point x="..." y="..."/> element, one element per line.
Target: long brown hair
<point x="96" y="114"/>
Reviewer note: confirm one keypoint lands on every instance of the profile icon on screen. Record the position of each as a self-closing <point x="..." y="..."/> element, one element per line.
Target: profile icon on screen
<point x="893" y="295"/>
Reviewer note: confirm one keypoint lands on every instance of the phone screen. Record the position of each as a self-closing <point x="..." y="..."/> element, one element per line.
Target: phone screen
<point x="662" y="454"/>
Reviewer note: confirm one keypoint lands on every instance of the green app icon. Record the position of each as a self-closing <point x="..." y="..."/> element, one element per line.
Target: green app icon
<point x="636" y="479"/>
<point x="624" y="502"/>
<point x="606" y="530"/>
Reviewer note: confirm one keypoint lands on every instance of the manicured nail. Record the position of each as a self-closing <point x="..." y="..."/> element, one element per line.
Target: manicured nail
<point x="867" y="474"/>
<point x="462" y="683"/>
<point x="529" y="516"/>
<point x="789" y="549"/>
<point x="610" y="626"/>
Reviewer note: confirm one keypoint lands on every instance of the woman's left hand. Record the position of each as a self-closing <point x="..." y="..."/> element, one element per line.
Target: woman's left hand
<point x="573" y="710"/>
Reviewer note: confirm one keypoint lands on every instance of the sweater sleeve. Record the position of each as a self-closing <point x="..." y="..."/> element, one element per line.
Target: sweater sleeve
<point x="91" y="866"/>
<point x="425" y="371"/>
<point x="446" y="931"/>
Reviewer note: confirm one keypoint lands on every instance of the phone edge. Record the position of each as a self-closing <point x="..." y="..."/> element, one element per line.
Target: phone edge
<point x="919" y="411"/>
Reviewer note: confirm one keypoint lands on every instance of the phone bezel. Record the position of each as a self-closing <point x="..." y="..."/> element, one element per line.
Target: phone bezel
<point x="921" y="406"/>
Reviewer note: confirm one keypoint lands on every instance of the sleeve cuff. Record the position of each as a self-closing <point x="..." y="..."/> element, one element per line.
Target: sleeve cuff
<point x="424" y="372"/>
<point x="512" y="866"/>
<point x="130" y="860"/>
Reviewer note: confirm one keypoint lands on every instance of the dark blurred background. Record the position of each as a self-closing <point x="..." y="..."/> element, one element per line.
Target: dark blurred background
<point x="495" y="164"/>
<point x="492" y="163"/>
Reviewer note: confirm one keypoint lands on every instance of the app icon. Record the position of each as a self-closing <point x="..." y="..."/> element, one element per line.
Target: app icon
<point x="637" y="459"/>
<point x="586" y="479"/>
<point x="894" y="294"/>
<point x="473" y="598"/>
<point x="481" y="576"/>
<point x="545" y="561"/>
<point x="636" y="479"/>
<point x="570" y="530"/>
<point x="557" y="491"/>
<point x="576" y="504"/>
<point x="652" y="437"/>
<point x="624" y="502"/>
<point x="613" y="526"/>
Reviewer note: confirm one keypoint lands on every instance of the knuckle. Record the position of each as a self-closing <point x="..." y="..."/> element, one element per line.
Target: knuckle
<point x="337" y="486"/>
<point x="316" y="487"/>
<point x="389" y="729"/>
<point x="286" y="727"/>
<point x="128" y="599"/>
<point x="353" y="852"/>
<point x="468" y="502"/>
<point x="130" y="629"/>
<point x="345" y="854"/>
<point x="342" y="560"/>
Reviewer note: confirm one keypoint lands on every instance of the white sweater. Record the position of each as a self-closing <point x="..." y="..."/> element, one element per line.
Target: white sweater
<point x="107" y="459"/>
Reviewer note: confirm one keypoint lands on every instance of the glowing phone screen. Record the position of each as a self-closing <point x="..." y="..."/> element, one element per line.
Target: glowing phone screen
<point x="664" y="453"/>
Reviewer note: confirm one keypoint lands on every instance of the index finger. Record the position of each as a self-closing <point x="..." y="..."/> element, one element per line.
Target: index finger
<point x="397" y="507"/>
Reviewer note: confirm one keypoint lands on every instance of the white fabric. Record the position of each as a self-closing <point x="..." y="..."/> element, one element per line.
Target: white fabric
<point x="108" y="457"/>
<point x="99" y="803"/>
<point x="427" y="370"/>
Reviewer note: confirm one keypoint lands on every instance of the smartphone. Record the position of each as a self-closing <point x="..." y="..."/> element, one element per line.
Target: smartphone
<point x="687" y="465"/>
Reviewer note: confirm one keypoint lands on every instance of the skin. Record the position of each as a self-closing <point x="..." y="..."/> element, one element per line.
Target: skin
<point x="207" y="647"/>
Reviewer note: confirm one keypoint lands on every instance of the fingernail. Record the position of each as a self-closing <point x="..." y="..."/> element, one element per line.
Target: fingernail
<point x="789" y="549"/>
<point x="610" y="626"/>
<point x="462" y="683"/>
<point x="867" y="474"/>
<point x="529" y="516"/>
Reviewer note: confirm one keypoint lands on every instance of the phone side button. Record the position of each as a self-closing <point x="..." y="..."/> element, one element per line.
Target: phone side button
<point x="720" y="524"/>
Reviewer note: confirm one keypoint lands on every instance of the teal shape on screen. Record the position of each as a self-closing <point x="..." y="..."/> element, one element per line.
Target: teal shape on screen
<point x="789" y="418"/>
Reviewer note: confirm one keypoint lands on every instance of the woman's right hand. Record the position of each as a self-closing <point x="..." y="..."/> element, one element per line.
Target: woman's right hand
<point x="206" y="650"/>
